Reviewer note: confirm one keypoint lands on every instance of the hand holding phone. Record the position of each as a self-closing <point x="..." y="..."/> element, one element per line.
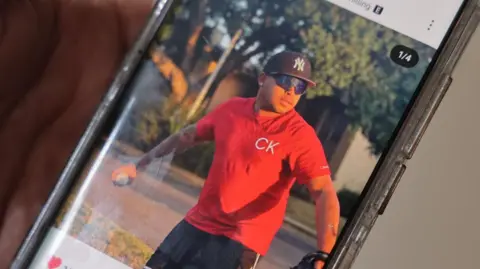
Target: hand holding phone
<point x="56" y="60"/>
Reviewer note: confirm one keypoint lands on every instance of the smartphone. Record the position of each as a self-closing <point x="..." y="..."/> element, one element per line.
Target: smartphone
<point x="251" y="134"/>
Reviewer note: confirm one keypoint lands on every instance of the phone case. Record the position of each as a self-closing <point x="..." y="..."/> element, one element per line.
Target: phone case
<point x="380" y="186"/>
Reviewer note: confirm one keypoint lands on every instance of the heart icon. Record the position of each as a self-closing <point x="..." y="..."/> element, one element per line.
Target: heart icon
<point x="54" y="262"/>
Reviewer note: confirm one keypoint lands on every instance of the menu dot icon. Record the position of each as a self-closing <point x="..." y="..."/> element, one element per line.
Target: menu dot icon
<point x="378" y="9"/>
<point x="430" y="25"/>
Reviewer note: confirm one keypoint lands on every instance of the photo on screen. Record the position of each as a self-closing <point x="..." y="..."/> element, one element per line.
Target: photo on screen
<point x="207" y="63"/>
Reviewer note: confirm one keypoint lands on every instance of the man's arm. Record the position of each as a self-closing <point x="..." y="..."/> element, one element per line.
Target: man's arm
<point x="311" y="169"/>
<point x="189" y="136"/>
<point x="327" y="212"/>
<point x="180" y="141"/>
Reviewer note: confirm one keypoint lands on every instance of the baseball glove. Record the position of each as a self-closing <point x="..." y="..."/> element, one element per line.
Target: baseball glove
<point x="124" y="175"/>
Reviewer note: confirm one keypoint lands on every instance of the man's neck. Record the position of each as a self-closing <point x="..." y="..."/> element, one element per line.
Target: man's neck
<point x="261" y="111"/>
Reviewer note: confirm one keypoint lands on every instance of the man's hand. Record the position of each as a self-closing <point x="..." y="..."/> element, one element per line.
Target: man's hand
<point x="319" y="265"/>
<point x="57" y="59"/>
<point x="124" y="175"/>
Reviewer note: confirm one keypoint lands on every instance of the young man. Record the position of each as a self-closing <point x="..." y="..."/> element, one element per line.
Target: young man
<point x="262" y="146"/>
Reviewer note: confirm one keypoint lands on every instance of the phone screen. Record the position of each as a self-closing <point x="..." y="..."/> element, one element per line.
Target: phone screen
<point x="247" y="134"/>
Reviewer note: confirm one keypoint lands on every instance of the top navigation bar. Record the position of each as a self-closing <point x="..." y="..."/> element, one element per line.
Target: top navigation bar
<point x="426" y="20"/>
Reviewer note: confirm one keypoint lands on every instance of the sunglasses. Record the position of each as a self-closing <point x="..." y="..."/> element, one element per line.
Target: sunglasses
<point x="287" y="82"/>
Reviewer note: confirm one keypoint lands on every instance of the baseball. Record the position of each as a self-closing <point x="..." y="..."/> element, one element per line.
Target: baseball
<point x="122" y="179"/>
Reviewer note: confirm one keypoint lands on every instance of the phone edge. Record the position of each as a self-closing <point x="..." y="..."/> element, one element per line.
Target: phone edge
<point x="411" y="129"/>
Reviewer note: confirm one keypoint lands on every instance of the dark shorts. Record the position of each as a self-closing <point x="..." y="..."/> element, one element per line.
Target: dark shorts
<point x="187" y="247"/>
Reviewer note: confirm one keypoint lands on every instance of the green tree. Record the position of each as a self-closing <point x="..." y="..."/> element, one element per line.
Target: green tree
<point x="265" y="28"/>
<point x="351" y="58"/>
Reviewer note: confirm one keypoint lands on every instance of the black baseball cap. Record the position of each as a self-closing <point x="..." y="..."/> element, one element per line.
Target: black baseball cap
<point x="292" y="64"/>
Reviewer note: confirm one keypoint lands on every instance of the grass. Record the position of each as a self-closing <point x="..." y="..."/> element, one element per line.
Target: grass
<point x="104" y="235"/>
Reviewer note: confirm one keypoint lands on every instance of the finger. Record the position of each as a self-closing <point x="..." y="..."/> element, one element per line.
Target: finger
<point x="55" y="111"/>
<point x="26" y="37"/>
<point x="132" y="18"/>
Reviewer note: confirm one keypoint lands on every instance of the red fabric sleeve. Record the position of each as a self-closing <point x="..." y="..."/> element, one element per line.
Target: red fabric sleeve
<point x="309" y="158"/>
<point x="206" y="125"/>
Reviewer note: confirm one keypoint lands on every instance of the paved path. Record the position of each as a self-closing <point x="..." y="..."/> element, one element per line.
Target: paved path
<point x="151" y="207"/>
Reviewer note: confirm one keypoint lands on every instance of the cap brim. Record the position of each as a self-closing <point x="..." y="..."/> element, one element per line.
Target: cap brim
<point x="310" y="82"/>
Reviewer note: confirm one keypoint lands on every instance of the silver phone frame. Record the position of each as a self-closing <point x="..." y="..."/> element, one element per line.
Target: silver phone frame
<point x="381" y="183"/>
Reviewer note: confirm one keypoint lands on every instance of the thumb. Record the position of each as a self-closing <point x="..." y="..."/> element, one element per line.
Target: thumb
<point x="132" y="17"/>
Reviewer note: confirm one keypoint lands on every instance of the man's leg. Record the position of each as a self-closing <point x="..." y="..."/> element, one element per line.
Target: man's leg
<point x="187" y="247"/>
<point x="178" y="248"/>
<point x="225" y="253"/>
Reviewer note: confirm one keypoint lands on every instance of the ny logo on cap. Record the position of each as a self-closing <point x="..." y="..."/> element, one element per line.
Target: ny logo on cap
<point x="299" y="64"/>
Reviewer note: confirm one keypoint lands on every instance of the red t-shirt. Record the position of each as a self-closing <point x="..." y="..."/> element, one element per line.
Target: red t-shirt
<point x="256" y="161"/>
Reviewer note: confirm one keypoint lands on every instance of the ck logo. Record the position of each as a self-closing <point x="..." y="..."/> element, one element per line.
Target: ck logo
<point x="299" y="64"/>
<point x="266" y="145"/>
